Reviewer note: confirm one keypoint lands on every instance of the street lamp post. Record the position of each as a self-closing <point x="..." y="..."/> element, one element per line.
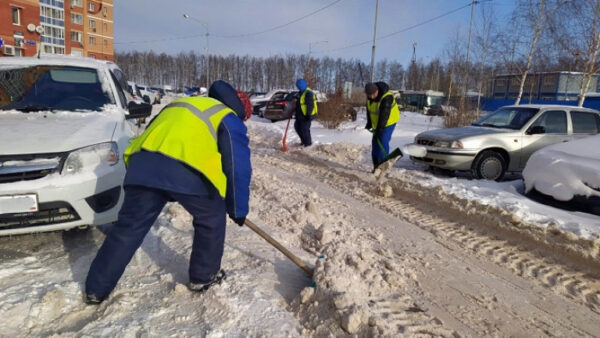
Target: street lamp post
<point x="206" y="49"/>
<point x="374" y="39"/>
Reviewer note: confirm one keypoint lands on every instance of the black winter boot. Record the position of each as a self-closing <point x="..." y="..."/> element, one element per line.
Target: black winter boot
<point x="217" y="278"/>
<point x="93" y="299"/>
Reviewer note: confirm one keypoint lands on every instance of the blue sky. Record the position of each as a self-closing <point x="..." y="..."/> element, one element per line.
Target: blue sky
<point x="139" y="23"/>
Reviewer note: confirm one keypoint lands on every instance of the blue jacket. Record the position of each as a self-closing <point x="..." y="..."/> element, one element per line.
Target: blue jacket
<point x="158" y="171"/>
<point x="310" y="101"/>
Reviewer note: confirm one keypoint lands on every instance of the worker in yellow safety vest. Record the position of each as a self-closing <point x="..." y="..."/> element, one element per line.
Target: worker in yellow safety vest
<point x="194" y="152"/>
<point x="382" y="116"/>
<point x="306" y="111"/>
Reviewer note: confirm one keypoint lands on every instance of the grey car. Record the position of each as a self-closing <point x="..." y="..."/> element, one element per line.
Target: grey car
<point x="505" y="139"/>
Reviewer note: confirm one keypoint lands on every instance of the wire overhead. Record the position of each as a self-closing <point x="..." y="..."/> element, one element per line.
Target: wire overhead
<point x="282" y="25"/>
<point x="404" y="29"/>
<point x="234" y="36"/>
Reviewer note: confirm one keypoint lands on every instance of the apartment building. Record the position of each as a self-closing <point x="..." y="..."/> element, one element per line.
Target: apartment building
<point x="19" y="20"/>
<point x="77" y="27"/>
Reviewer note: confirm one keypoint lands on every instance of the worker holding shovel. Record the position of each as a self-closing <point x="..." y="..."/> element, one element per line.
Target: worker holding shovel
<point x="195" y="152"/>
<point x="382" y="116"/>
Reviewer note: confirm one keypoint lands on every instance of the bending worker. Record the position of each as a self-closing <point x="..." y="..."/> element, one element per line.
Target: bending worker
<point x="306" y="111"/>
<point x="195" y="152"/>
<point x="382" y="116"/>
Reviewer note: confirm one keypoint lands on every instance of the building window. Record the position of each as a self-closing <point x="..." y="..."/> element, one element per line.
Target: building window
<point x="76" y="19"/>
<point x="105" y="11"/>
<point x="19" y="40"/>
<point x="92" y="40"/>
<point x="105" y="43"/>
<point x="76" y="3"/>
<point x="91" y="8"/>
<point x="16" y="16"/>
<point x="92" y="25"/>
<point x="105" y="27"/>
<point x="76" y="36"/>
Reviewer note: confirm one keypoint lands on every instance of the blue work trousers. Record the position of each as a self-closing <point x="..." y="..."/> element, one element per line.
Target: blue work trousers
<point x="140" y="209"/>
<point x="378" y="154"/>
<point x="302" y="127"/>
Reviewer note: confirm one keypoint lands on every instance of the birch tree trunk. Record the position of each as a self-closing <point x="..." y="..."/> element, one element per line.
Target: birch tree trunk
<point x="592" y="55"/>
<point x="538" y="27"/>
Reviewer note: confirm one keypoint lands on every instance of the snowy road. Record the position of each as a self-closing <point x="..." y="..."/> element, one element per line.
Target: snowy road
<point x="473" y="278"/>
<point x="398" y="258"/>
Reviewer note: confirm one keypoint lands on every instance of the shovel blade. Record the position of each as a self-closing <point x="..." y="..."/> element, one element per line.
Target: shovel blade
<point x="395" y="153"/>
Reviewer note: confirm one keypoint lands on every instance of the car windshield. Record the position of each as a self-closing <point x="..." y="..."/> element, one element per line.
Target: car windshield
<point x="509" y="118"/>
<point x="43" y="88"/>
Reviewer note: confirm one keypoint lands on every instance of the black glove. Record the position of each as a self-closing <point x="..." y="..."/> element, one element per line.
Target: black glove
<point x="239" y="220"/>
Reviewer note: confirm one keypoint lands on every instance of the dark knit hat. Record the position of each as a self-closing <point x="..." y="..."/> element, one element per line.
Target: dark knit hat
<point x="225" y="93"/>
<point x="370" y="88"/>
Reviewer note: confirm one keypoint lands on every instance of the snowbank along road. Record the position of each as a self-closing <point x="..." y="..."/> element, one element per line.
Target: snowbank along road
<point x="392" y="258"/>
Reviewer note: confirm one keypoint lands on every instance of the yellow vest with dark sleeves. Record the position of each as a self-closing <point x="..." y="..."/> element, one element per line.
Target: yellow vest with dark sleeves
<point x="186" y="130"/>
<point x="373" y="110"/>
<point x="303" y="103"/>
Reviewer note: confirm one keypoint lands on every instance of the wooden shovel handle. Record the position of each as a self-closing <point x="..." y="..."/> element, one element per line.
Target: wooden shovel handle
<point x="280" y="247"/>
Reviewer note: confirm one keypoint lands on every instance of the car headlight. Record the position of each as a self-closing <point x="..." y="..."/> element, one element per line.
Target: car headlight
<point x="91" y="158"/>
<point x="448" y="144"/>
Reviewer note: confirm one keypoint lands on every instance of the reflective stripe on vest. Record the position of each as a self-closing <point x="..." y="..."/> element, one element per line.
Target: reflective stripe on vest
<point x="303" y="103"/>
<point x="373" y="110"/>
<point x="186" y="130"/>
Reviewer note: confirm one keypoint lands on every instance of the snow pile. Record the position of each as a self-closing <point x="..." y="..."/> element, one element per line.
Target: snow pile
<point x="356" y="286"/>
<point x="565" y="170"/>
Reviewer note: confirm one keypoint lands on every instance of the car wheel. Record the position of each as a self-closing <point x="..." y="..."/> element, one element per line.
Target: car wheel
<point x="489" y="165"/>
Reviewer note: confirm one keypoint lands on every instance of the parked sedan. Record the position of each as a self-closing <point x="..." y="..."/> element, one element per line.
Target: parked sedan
<point x="567" y="172"/>
<point x="260" y="102"/>
<point x="505" y="139"/>
<point x="281" y="106"/>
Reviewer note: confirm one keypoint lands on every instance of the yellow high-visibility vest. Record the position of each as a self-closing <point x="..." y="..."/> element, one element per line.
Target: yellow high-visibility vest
<point x="373" y="110"/>
<point x="186" y="130"/>
<point x="303" y="103"/>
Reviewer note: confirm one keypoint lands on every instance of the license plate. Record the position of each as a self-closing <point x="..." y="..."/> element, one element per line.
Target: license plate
<point x="18" y="203"/>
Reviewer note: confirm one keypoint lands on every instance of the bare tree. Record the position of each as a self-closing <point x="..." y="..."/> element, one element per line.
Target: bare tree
<point x="483" y="39"/>
<point x="455" y="58"/>
<point x="576" y="30"/>
<point x="535" y="17"/>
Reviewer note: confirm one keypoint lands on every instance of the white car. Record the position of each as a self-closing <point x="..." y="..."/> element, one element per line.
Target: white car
<point x="64" y="124"/>
<point x="567" y="171"/>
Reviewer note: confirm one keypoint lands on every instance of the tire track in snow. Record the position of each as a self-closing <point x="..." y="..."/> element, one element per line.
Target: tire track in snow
<point x="572" y="282"/>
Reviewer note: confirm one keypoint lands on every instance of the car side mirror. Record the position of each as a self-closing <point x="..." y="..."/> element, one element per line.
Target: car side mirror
<point x="138" y="110"/>
<point x="536" y="130"/>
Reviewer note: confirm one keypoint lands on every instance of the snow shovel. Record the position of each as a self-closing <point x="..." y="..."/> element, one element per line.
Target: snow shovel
<point x="395" y="153"/>
<point x="283" y="146"/>
<point x="280" y="247"/>
<point x="287" y="109"/>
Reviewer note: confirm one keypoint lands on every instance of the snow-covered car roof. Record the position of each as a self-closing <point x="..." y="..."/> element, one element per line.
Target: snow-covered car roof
<point x="565" y="170"/>
<point x="58" y="60"/>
